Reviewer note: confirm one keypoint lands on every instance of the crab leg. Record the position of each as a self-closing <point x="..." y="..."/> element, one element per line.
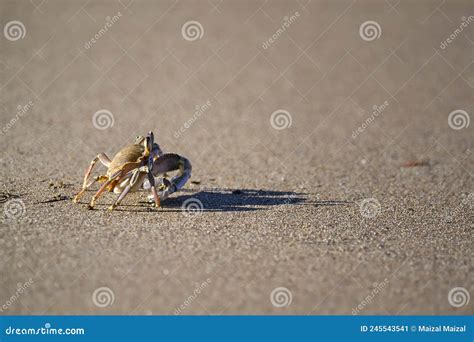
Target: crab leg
<point x="154" y="152"/>
<point x="105" y="161"/>
<point x="133" y="180"/>
<point x="156" y="198"/>
<point x="121" y="197"/>
<point x="103" y="187"/>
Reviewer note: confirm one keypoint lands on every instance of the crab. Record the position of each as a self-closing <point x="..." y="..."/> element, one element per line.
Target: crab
<point x="135" y="168"/>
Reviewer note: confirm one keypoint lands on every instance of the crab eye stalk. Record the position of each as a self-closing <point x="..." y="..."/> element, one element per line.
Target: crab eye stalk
<point x="147" y="145"/>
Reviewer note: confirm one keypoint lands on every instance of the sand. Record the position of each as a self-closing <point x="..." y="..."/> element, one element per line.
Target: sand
<point x="363" y="204"/>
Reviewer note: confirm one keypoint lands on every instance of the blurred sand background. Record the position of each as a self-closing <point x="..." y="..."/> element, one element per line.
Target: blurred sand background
<point x="281" y="207"/>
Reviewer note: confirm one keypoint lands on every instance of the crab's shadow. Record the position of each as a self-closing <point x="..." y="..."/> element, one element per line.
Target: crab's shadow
<point x="233" y="200"/>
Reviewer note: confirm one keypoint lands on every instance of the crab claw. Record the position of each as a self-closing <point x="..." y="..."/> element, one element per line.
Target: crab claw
<point x="166" y="163"/>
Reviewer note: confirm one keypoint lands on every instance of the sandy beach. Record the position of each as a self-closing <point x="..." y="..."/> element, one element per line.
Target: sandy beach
<point x="331" y="145"/>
